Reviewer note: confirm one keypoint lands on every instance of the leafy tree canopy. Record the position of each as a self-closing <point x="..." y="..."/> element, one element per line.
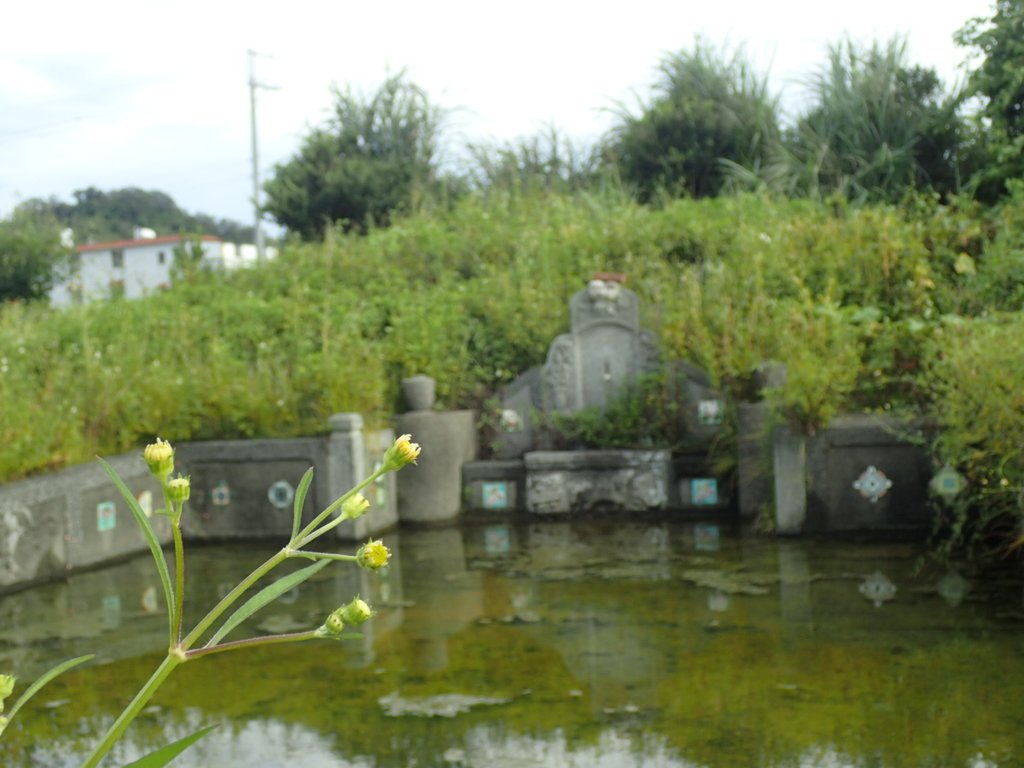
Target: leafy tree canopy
<point x="32" y="254"/>
<point x="373" y="158"/>
<point x="999" y="82"/>
<point x="708" y="107"/>
<point x="876" y="128"/>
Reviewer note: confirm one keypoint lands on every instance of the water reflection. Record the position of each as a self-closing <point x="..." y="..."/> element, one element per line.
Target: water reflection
<point x="553" y="644"/>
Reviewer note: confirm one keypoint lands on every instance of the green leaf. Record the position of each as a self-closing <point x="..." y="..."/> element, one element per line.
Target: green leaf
<point x="149" y="535"/>
<point x="43" y="679"/>
<point x="300" y="498"/>
<point x="266" y="595"/>
<point x="164" y="755"/>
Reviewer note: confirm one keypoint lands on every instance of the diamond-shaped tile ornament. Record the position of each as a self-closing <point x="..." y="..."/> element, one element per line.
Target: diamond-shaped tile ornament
<point x="947" y="482"/>
<point x="878" y="588"/>
<point x="872" y="484"/>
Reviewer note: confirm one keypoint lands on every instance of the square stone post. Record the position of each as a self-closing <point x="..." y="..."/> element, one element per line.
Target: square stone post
<point x="790" y="464"/>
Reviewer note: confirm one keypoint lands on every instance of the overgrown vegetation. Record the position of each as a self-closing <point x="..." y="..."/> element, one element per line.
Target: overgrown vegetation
<point x="911" y="308"/>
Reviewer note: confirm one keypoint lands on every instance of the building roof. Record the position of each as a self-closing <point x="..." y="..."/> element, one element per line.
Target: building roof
<point x="162" y="240"/>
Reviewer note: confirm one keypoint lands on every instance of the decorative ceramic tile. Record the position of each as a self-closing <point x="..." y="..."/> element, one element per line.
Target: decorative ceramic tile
<point x="872" y="484"/>
<point x="220" y="495"/>
<point x="704" y="491"/>
<point x="281" y="494"/>
<point x="106" y="516"/>
<point x="494" y="495"/>
<point x="111" y="606"/>
<point x="497" y="540"/>
<point x="878" y="588"/>
<point x="710" y="412"/>
<point x="148" y="601"/>
<point x="952" y="588"/>
<point x="706" y="537"/>
<point x="145" y="500"/>
<point x="947" y="482"/>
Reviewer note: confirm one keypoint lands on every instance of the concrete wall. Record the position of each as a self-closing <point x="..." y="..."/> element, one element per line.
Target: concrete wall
<point x="241" y="489"/>
<point x="862" y="473"/>
<point x="73" y="519"/>
<point x="865" y="474"/>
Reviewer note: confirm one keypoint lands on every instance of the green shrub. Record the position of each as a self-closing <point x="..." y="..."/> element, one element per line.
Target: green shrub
<point x="978" y="401"/>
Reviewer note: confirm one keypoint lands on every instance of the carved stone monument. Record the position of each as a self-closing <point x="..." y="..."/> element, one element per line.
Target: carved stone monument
<point x="604" y="350"/>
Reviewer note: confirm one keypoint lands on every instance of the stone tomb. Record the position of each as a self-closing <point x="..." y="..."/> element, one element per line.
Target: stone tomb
<point x="604" y="351"/>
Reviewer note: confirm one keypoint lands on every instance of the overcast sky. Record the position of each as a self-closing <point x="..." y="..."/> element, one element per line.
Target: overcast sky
<point x="154" y="94"/>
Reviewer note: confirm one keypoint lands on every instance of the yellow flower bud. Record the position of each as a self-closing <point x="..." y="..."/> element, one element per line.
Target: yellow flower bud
<point x="6" y="688"/>
<point x="356" y="612"/>
<point x="403" y="452"/>
<point x="373" y="555"/>
<point x="354" y="506"/>
<point x="159" y="456"/>
<point x="333" y="624"/>
<point x="178" y="489"/>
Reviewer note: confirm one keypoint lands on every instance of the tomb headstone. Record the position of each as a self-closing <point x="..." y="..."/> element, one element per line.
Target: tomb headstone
<point x="604" y="350"/>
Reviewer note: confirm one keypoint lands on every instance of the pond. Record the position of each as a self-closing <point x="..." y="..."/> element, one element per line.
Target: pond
<point x="595" y="643"/>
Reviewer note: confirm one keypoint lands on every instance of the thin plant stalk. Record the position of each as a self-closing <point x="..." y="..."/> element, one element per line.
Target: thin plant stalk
<point x="135" y="706"/>
<point x="180" y="650"/>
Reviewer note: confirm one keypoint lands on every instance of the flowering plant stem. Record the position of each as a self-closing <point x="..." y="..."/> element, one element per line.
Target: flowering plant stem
<point x="180" y="650"/>
<point x="135" y="706"/>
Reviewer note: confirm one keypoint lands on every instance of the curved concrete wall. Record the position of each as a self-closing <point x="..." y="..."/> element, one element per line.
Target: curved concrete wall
<point x="76" y="518"/>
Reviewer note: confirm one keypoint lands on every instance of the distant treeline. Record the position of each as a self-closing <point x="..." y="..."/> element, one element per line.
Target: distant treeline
<point x="875" y="128"/>
<point x="98" y="216"/>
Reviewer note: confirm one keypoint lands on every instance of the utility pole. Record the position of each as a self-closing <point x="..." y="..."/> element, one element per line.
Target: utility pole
<point x="257" y="209"/>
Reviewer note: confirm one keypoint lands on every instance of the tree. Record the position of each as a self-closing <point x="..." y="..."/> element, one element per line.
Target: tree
<point x="877" y="127"/>
<point x="999" y="82"/>
<point x="708" y="108"/>
<point x="32" y="254"/>
<point x="371" y="159"/>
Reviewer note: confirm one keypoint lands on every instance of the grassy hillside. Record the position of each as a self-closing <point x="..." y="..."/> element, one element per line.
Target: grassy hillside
<point x="911" y="307"/>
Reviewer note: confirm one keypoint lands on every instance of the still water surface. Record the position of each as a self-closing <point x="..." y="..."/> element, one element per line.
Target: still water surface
<point x="596" y="644"/>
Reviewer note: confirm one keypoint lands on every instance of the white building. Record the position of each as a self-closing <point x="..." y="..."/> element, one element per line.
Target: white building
<point x="135" y="268"/>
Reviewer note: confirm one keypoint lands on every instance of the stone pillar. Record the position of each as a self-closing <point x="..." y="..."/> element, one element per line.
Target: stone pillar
<point x="347" y="453"/>
<point x="754" y="458"/>
<point x="347" y="466"/>
<point x="419" y="392"/>
<point x="431" y="490"/>
<point x="790" y="464"/>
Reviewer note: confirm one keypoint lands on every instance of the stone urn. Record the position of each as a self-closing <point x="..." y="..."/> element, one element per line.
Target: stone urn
<point x="419" y="392"/>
